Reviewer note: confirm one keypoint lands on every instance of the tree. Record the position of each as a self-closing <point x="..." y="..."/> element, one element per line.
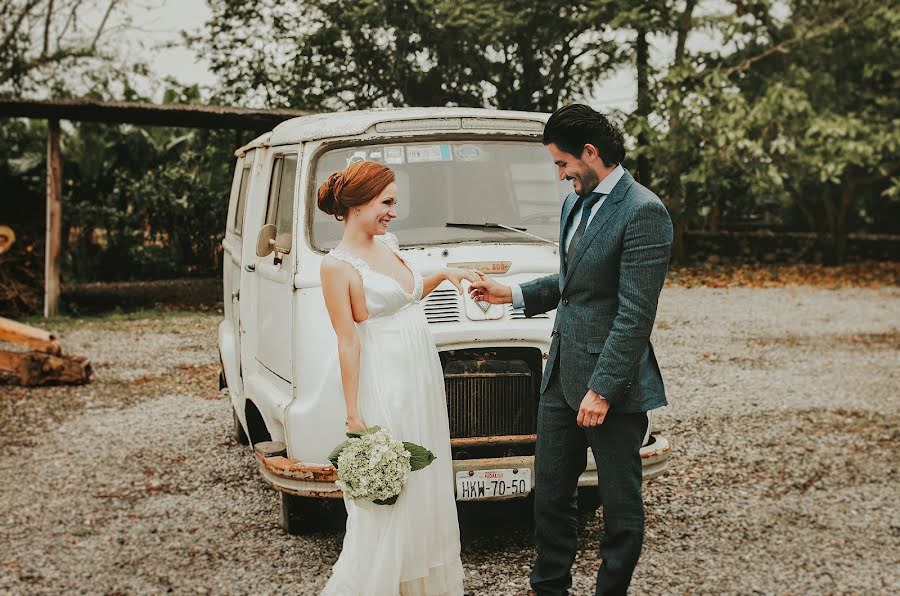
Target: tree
<point x="343" y="54"/>
<point x="146" y="202"/>
<point x="46" y="44"/>
<point x="139" y="202"/>
<point x="801" y="113"/>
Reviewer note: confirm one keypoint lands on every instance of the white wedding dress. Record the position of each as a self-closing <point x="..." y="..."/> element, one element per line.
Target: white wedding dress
<point x="410" y="548"/>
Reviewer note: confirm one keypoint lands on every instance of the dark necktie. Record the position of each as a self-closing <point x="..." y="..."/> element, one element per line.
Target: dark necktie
<point x="587" y="204"/>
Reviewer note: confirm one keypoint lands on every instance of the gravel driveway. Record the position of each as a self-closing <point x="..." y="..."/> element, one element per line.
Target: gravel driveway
<point x="783" y="477"/>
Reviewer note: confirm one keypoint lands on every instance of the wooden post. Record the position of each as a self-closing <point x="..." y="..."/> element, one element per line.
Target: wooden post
<point x="54" y="221"/>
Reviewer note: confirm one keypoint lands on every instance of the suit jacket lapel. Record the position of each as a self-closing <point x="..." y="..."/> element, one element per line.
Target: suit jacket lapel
<point x="568" y="206"/>
<point x="604" y="212"/>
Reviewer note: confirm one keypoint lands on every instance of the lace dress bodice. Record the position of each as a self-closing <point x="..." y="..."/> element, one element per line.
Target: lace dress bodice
<point x="384" y="294"/>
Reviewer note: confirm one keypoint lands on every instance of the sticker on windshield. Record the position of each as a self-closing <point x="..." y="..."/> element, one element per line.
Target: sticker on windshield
<point x="356" y="156"/>
<point x="393" y="155"/>
<point x="467" y="152"/>
<point x="424" y="153"/>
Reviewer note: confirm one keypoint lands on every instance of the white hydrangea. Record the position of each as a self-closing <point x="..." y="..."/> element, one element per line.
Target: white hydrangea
<point x="373" y="467"/>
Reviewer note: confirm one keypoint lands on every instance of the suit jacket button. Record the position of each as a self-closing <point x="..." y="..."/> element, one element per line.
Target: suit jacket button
<point x="554" y="333"/>
<point x="565" y="300"/>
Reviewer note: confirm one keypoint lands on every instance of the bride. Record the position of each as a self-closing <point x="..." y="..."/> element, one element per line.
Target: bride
<point x="391" y="376"/>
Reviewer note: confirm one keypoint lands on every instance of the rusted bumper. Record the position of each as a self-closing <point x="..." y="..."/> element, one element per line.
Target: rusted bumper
<point x="654" y="461"/>
<point x="297" y="478"/>
<point x="292" y="476"/>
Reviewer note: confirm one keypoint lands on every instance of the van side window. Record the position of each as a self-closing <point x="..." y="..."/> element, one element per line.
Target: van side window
<point x="242" y="192"/>
<point x="280" y="210"/>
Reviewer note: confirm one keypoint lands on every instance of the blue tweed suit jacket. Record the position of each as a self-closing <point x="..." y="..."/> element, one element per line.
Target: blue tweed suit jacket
<point x="606" y="301"/>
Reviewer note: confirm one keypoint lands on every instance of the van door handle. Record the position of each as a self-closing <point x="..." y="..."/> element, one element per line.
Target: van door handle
<point x="235" y="294"/>
<point x="251" y="267"/>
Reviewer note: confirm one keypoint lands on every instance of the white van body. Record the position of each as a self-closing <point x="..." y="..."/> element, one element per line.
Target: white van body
<point x="277" y="347"/>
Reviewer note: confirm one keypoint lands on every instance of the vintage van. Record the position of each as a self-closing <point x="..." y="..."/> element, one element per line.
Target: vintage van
<point x="477" y="189"/>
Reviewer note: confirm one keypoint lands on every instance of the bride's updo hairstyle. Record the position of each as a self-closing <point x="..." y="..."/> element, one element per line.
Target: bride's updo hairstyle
<point x="354" y="186"/>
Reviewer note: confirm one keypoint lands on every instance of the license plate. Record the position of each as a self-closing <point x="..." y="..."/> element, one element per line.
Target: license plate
<point x="507" y="483"/>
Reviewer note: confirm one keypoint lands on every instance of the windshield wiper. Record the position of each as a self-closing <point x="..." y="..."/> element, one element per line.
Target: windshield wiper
<point x="498" y="226"/>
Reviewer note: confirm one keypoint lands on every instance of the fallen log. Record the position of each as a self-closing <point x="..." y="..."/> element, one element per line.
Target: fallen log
<point x="32" y="369"/>
<point x="32" y="337"/>
<point x="44" y="364"/>
<point x="7" y="237"/>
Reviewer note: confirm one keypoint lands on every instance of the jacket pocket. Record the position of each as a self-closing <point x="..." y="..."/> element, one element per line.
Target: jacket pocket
<point x="595" y="344"/>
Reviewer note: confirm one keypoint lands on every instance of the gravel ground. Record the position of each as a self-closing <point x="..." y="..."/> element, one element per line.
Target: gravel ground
<point x="783" y="476"/>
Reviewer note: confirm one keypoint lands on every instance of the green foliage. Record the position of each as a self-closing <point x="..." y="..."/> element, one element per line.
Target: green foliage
<point x="803" y="115"/>
<point x="145" y="202"/>
<point x="343" y="54"/>
<point x="791" y="116"/>
<point x="138" y="202"/>
<point x="419" y="457"/>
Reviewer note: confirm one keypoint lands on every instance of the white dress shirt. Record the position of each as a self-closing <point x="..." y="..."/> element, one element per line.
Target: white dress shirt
<point x="605" y="187"/>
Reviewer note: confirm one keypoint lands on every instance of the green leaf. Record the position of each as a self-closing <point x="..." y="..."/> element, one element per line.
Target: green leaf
<point x="336" y="452"/>
<point x="366" y="431"/>
<point x="419" y="457"/>
<point x="388" y="501"/>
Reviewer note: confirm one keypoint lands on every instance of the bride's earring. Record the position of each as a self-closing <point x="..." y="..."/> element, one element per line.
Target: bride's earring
<point x="358" y="211"/>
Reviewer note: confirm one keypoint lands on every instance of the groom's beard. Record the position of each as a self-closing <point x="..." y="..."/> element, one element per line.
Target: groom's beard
<point x="589" y="182"/>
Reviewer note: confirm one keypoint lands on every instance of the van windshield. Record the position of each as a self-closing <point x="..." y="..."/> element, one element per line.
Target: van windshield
<point x="461" y="182"/>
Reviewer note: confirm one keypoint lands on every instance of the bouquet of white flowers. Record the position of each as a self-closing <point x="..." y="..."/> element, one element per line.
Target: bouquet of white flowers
<point x="373" y="466"/>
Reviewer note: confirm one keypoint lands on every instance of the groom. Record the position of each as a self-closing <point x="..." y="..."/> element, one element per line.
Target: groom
<point x="601" y="376"/>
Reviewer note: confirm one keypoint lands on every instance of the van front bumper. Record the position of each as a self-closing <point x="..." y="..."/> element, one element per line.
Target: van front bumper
<point x="294" y="477"/>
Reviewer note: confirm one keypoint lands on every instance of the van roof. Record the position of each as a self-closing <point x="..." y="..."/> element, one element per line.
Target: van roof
<point x="339" y="124"/>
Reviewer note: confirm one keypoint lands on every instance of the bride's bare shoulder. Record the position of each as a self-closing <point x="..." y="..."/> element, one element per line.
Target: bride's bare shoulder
<point x="336" y="268"/>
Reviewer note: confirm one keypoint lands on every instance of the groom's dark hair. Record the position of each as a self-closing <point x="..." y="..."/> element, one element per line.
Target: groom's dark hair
<point x="572" y="127"/>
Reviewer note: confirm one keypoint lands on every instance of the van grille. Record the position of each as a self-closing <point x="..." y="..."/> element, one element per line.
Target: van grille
<point x="487" y="398"/>
<point x="442" y="306"/>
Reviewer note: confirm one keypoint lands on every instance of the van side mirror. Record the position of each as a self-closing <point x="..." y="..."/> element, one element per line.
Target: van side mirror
<point x="269" y="239"/>
<point x="265" y="242"/>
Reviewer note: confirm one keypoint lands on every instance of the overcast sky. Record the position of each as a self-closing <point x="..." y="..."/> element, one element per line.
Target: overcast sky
<point x="161" y="24"/>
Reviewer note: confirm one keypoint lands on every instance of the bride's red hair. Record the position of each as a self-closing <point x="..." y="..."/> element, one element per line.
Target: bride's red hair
<point x="355" y="185"/>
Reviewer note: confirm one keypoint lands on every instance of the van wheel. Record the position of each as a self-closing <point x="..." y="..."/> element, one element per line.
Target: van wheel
<point x="237" y="431"/>
<point x="300" y="515"/>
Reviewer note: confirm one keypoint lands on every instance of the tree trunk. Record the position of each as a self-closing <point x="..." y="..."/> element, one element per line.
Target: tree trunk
<point x="31" y="369"/>
<point x="808" y="214"/>
<point x="712" y="219"/>
<point x="643" y="102"/>
<point x="675" y="204"/>
<point x="676" y="199"/>
<point x="54" y="221"/>
<point x="848" y="199"/>
<point x="831" y="231"/>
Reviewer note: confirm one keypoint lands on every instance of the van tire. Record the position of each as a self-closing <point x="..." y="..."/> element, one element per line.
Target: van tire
<point x="301" y="515"/>
<point x="237" y="431"/>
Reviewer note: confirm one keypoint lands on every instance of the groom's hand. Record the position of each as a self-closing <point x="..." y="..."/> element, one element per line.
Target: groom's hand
<point x="488" y="290"/>
<point x="593" y="409"/>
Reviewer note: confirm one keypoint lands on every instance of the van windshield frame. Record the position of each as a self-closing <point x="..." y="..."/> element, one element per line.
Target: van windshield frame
<point x="454" y="178"/>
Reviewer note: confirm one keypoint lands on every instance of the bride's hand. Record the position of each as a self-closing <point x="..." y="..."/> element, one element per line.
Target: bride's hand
<point x="455" y="276"/>
<point x="355" y="423"/>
